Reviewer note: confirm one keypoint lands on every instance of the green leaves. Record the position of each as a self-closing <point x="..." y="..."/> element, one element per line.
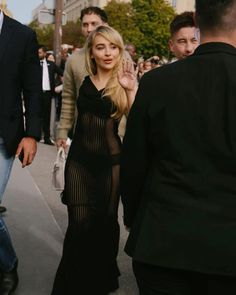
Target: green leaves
<point x="145" y="23"/>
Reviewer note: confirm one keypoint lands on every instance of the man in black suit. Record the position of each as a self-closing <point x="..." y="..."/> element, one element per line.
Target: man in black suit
<point x="48" y="70"/>
<point x="20" y="77"/>
<point x="178" y="172"/>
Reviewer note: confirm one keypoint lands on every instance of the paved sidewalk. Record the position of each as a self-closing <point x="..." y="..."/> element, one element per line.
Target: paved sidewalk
<point x="34" y="231"/>
<point x="37" y="222"/>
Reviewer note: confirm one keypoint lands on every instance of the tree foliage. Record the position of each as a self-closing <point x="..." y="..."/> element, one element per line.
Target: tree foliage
<point x="71" y="34"/>
<point x="145" y="23"/>
<point x="44" y="34"/>
<point x="120" y="16"/>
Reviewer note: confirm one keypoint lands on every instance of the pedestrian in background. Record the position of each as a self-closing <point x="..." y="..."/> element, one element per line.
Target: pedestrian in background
<point x="178" y="169"/>
<point x="48" y="71"/>
<point x="131" y="49"/>
<point x="88" y="265"/>
<point x="20" y="76"/>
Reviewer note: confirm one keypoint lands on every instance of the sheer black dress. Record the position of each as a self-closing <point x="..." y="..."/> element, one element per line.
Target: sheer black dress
<point x="88" y="265"/>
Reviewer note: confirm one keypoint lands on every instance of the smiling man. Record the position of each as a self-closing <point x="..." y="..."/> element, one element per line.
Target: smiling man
<point x="184" y="39"/>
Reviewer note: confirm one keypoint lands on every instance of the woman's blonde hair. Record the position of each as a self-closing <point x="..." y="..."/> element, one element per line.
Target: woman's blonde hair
<point x="113" y="88"/>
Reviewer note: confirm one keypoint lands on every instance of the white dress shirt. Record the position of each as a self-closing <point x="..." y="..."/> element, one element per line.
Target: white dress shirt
<point x="1" y="20"/>
<point x="45" y="78"/>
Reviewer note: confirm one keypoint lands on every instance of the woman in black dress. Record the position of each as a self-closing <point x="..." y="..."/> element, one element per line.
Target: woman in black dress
<point x="88" y="265"/>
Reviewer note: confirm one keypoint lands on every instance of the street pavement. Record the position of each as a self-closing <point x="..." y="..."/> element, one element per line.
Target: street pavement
<point x="37" y="222"/>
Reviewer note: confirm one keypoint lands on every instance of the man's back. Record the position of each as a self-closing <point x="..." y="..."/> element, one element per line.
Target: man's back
<point x="187" y="211"/>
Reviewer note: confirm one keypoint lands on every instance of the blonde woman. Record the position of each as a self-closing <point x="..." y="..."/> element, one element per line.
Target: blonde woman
<point x="88" y="265"/>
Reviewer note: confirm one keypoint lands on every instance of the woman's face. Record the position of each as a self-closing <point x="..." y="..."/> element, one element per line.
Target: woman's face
<point x="105" y="53"/>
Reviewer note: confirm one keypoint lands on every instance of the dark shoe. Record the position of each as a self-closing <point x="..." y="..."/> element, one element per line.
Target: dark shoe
<point x="9" y="281"/>
<point x="48" y="141"/>
<point x="2" y="209"/>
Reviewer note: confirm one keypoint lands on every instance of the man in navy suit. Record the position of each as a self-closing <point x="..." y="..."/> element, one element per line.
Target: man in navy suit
<point x="48" y="69"/>
<point x="178" y="168"/>
<point x="20" y="78"/>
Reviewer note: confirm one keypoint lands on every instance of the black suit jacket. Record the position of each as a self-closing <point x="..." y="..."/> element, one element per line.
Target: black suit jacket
<point x="19" y="77"/>
<point x="178" y="170"/>
<point x="53" y="69"/>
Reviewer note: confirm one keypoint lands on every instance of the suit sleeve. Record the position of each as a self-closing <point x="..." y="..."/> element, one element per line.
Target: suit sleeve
<point x="58" y="71"/>
<point x="32" y="83"/>
<point x="134" y="158"/>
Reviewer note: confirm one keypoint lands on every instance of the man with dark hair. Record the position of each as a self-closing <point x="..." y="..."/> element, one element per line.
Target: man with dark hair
<point x="94" y="10"/>
<point x="178" y="168"/>
<point x="220" y="13"/>
<point x="184" y="39"/>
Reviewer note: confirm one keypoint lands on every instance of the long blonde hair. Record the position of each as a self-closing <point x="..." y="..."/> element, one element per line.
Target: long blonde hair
<point x="113" y="88"/>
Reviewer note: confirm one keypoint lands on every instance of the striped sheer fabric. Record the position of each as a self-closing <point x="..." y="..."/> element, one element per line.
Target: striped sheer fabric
<point x="92" y="182"/>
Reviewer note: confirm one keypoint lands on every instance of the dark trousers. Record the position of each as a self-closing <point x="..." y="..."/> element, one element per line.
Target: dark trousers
<point x="46" y="98"/>
<point x="155" y="280"/>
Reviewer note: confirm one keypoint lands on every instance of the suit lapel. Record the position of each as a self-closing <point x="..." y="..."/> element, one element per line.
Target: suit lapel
<point x="6" y="34"/>
<point x="49" y="71"/>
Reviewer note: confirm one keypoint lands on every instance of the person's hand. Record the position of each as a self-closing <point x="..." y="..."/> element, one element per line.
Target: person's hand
<point x="58" y="89"/>
<point x="127" y="76"/>
<point x="127" y="228"/>
<point x="26" y="151"/>
<point x="62" y="142"/>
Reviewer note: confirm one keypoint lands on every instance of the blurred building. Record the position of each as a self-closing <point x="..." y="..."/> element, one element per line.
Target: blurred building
<point x="182" y="5"/>
<point x="3" y="7"/>
<point x="36" y="11"/>
<point x="74" y="7"/>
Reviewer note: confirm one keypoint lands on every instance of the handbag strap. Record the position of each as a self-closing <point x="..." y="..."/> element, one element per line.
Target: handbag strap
<point x="61" y="154"/>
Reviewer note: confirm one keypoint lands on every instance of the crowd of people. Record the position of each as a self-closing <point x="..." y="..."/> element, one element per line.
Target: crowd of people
<point x="183" y="41"/>
<point x="174" y="169"/>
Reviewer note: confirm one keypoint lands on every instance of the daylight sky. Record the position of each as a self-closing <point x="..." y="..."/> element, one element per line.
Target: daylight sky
<point x="22" y="9"/>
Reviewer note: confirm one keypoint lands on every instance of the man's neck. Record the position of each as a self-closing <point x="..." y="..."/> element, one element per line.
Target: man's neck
<point x="229" y="38"/>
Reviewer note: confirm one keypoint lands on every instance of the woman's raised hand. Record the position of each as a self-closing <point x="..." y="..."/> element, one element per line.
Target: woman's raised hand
<point x="127" y="76"/>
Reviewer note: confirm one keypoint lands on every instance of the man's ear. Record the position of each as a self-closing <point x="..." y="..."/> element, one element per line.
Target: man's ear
<point x="197" y="31"/>
<point x="170" y="43"/>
